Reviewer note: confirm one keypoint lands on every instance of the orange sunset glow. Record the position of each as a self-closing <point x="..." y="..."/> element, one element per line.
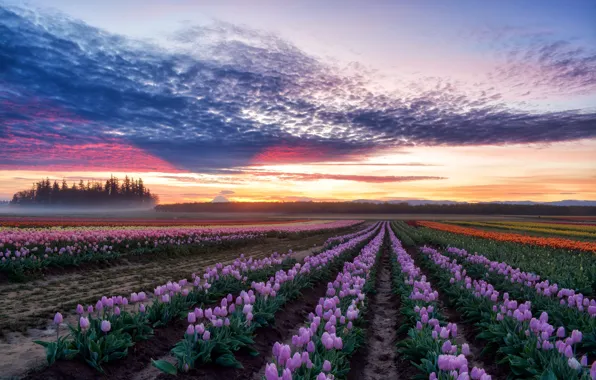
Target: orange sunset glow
<point x="246" y="106"/>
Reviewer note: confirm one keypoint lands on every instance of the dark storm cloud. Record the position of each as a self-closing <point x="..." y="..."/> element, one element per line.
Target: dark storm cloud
<point x="227" y="97"/>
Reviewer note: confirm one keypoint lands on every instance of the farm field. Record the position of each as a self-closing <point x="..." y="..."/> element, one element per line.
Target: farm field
<point x="577" y="231"/>
<point x="351" y="300"/>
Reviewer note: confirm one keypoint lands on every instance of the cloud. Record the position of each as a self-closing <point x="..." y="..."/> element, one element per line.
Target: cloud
<point x="341" y="177"/>
<point x="537" y="61"/>
<point x="227" y="192"/>
<point x="222" y="96"/>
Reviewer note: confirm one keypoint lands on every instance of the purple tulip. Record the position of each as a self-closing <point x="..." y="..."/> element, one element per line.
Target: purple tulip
<point x="192" y="318"/>
<point x="106" y="326"/>
<point x="58" y="319"/>
<point x="305" y="357"/>
<point x="568" y="351"/>
<point x="584" y="361"/>
<point x="116" y="311"/>
<point x="321" y="376"/>
<point x="84" y="323"/>
<point x="310" y="347"/>
<point x="576" y="336"/>
<point x="465" y="349"/>
<point x="338" y="343"/>
<point x="287" y="374"/>
<point x="326" y="366"/>
<point x="89" y="309"/>
<point x="142" y="308"/>
<point x="561" y="332"/>
<point x="80" y="309"/>
<point x="444" y="334"/>
<point x="446" y="348"/>
<point x="206" y="335"/>
<point x="271" y="372"/>
<point x="284" y="354"/>
<point x="276" y="349"/>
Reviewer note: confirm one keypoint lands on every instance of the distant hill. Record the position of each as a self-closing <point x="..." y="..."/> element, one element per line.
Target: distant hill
<point x="419" y="202"/>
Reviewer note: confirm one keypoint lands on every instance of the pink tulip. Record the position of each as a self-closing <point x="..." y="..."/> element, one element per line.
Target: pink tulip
<point x="84" y="323"/>
<point x="106" y="326"/>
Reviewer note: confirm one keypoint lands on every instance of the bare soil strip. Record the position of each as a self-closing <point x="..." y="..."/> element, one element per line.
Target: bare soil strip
<point x="465" y="333"/>
<point x="378" y="359"/>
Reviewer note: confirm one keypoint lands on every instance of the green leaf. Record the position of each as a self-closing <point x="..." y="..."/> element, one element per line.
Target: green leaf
<point x="165" y="366"/>
<point x="228" y="360"/>
<point x="549" y="375"/>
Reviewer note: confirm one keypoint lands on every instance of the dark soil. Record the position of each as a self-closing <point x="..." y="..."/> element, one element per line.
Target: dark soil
<point x="378" y="359"/>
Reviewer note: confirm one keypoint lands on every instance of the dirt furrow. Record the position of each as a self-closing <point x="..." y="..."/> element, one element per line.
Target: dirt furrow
<point x="378" y="359"/>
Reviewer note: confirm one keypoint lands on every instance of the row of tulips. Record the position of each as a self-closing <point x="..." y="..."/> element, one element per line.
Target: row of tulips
<point x="29" y="238"/>
<point x="554" y="242"/>
<point x="566" y="306"/>
<point x="531" y="346"/>
<point x="213" y="335"/>
<point x="321" y="349"/>
<point x="24" y="250"/>
<point x="76" y="222"/>
<point x="107" y="329"/>
<point x="588" y="232"/>
<point x="340" y="239"/>
<point x="431" y="344"/>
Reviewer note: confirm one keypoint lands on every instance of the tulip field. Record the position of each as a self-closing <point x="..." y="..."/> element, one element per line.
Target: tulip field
<point x="363" y="300"/>
<point x="25" y="250"/>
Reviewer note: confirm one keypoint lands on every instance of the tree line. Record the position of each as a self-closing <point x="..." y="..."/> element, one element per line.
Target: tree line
<point x="379" y="208"/>
<point x="130" y="192"/>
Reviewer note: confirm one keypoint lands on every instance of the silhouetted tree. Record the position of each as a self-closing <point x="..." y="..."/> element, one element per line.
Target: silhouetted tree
<point x="131" y="193"/>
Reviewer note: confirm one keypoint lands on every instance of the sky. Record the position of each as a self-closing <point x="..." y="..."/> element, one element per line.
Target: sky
<point x="302" y="100"/>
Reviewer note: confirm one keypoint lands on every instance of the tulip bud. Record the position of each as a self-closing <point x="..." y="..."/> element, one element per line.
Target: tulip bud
<point x="58" y="319"/>
<point x="106" y="326"/>
<point x="84" y="323"/>
<point x="192" y="318"/>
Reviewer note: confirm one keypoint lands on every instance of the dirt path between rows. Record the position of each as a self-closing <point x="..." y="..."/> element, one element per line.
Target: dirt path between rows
<point x="378" y="359"/>
<point x="34" y="303"/>
<point x="465" y="333"/>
